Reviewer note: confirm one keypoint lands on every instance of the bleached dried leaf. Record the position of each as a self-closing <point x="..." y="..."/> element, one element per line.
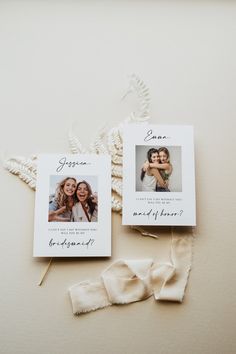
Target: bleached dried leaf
<point x="106" y="142"/>
<point x="75" y="145"/>
<point x="23" y="169"/>
<point x="116" y="170"/>
<point x="116" y="185"/>
<point x="116" y="204"/>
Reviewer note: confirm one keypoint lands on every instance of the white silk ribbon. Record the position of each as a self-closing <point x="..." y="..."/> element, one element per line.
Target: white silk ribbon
<point x="127" y="281"/>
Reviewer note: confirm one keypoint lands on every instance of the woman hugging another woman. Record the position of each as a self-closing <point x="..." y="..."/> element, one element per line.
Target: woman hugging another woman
<point x="156" y="170"/>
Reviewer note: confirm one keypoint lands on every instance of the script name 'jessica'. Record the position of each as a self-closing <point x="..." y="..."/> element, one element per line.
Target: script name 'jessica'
<point x="150" y="136"/>
<point x="63" y="162"/>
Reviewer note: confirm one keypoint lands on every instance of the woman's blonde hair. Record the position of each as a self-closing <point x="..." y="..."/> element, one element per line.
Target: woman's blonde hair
<point x="60" y="197"/>
<point x="166" y="151"/>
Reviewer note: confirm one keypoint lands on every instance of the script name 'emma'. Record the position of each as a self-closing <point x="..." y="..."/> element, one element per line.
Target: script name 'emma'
<point x="150" y="136"/>
<point x="63" y="162"/>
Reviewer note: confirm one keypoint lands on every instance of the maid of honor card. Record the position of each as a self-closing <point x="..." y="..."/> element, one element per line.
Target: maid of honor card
<point x="158" y="175"/>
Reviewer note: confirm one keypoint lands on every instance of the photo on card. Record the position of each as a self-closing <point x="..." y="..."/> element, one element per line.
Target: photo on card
<point x="73" y="206"/>
<point x="158" y="175"/>
<point x="158" y="168"/>
<point x="73" y="199"/>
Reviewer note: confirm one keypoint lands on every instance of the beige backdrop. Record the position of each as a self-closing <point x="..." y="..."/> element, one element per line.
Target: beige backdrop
<point x="67" y="61"/>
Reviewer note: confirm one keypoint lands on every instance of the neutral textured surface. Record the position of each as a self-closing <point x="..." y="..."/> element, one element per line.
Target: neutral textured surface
<point x="67" y="61"/>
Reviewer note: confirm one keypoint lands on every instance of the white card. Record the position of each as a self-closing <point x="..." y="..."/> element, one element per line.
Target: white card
<point x="73" y="206"/>
<point x="162" y="190"/>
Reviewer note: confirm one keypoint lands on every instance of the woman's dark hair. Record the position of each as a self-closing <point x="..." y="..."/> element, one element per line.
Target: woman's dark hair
<point x="89" y="201"/>
<point x="149" y="157"/>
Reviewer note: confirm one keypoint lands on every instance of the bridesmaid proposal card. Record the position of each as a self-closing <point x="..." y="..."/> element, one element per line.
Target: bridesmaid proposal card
<point x="158" y="175"/>
<point x="73" y="206"/>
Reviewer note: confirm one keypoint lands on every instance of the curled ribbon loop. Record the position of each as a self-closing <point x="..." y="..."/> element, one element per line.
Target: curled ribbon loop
<point x="127" y="281"/>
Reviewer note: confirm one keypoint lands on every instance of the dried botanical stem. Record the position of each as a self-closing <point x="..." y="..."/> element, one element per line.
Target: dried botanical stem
<point x="45" y="272"/>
